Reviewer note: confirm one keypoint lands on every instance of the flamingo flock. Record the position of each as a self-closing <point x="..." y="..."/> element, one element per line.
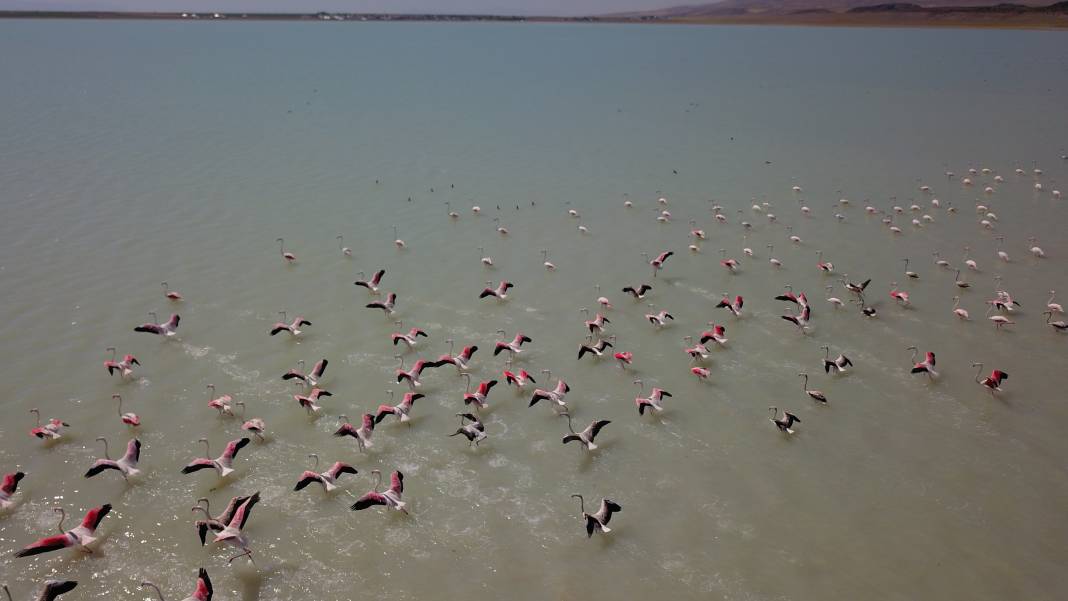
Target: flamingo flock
<point x="233" y="527"/>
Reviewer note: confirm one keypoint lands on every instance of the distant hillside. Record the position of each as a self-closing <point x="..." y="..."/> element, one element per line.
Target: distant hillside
<point x="790" y="7"/>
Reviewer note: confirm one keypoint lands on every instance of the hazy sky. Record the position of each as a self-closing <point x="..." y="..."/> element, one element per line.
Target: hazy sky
<point x="512" y="7"/>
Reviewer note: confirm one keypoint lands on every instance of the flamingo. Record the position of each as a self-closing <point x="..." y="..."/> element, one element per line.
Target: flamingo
<point x="1035" y="249"/>
<point x="774" y="262"/>
<point x="346" y="251"/>
<point x="730" y="265"/>
<point x="555" y="397"/>
<point x="970" y="263"/>
<point x="993" y="381"/>
<point x="587" y="436"/>
<point x="126" y="465"/>
<point x="500" y="228"/>
<point x="702" y="373"/>
<point x="361" y="434"/>
<point x="311" y="378"/>
<point x="625" y="358"/>
<point x="452" y="214"/>
<point x="961" y="283"/>
<point x="289" y="257"/>
<point x="658" y="263"/>
<point x="597" y="350"/>
<point x="171" y="294"/>
<point x="1004" y="256"/>
<point x="715" y="334"/>
<point x="815" y="394"/>
<point x="293" y="328"/>
<point x="939" y="261"/>
<point x="51" y="591"/>
<point x="500" y="293"/>
<point x="53" y="430"/>
<point x="130" y="419"/>
<point x="474" y="432"/>
<point x="602" y="300"/>
<point x="962" y="314"/>
<point x="825" y="267"/>
<point x="786" y="422"/>
<point x="487" y="261"/>
<point x="910" y="274"/>
<point x="223" y="464"/>
<point x="926" y="366"/>
<point x="480" y="396"/>
<point x="411" y="339"/>
<point x="834" y="300"/>
<point x="215" y="524"/>
<point x="1058" y="325"/>
<point x="639" y="292"/>
<point x="160" y="329"/>
<point x="221" y="404"/>
<point x="519" y="380"/>
<point x="8" y="488"/>
<point x="900" y="296"/>
<point x="1052" y="306"/>
<point x="788" y="295"/>
<point x="327" y="479"/>
<point x="387" y="306"/>
<point x="793" y="238"/>
<point x="461" y="361"/>
<point x="124" y="367"/>
<point x="253" y="424"/>
<point x="79" y="537"/>
<point x="412" y="375"/>
<point x="390" y="498"/>
<point x="309" y="401"/>
<point x="698" y="234"/>
<point x="599" y="520"/>
<point x="838" y="365"/>
<point x="653" y="401"/>
<point x="734" y="307"/>
<point x="512" y="347"/>
<point x="659" y="319"/>
<point x="402" y="411"/>
<point x="203" y="591"/>
<point x="800" y="320"/>
<point x="696" y="352"/>
<point x="857" y="289"/>
<point x="549" y="265"/>
<point x="373" y="283"/>
<point x="595" y="324"/>
<point x="1000" y="320"/>
<point x="233" y="533"/>
<point x="865" y="309"/>
<point x="397" y="240"/>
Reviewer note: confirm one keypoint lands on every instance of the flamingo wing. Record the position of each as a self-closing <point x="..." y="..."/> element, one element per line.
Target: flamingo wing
<point x="243" y="512"/>
<point x="95" y="516"/>
<point x="396" y="482"/>
<point x="46" y="545"/>
<point x="149" y="328"/>
<point x="11" y="482"/>
<point x="203" y="592"/>
<point x="196" y="465"/>
<point x="368" y="500"/>
<point x="55" y="588"/>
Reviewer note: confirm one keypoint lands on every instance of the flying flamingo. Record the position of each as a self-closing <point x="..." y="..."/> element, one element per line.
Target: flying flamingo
<point x="595" y="325"/>
<point x="993" y="381"/>
<point x="838" y="365"/>
<point x="500" y="293"/>
<point x="293" y="327"/>
<point x="171" y="294"/>
<point x="519" y="380"/>
<point x="311" y="378"/>
<point x="203" y="591"/>
<point x="388" y="306"/>
<point x="80" y="537"/>
<point x="327" y="479"/>
<point x="586" y="436"/>
<point x="53" y="430"/>
<point x="479" y="397"/>
<point x="289" y="257"/>
<point x="599" y="520"/>
<point x="160" y="329"/>
<point x="220" y="404"/>
<point x="555" y="397"/>
<point x="390" y="498"/>
<point x="361" y="434"/>
<point x="215" y="524"/>
<point x="597" y="350"/>
<point x="702" y="373"/>
<point x="461" y="361"/>
<point x="800" y="320"/>
<point x="900" y="296"/>
<point x="698" y="234"/>
<point x="124" y="367"/>
<point x="130" y="419"/>
<point x="233" y="533"/>
<point x="126" y="465"/>
<point x="8" y="488"/>
<point x="654" y="401"/>
<point x="730" y="265"/>
<point x="815" y="394"/>
<point x="734" y="307"/>
<point x="926" y="366"/>
<point x="639" y="292"/>
<point x="659" y="319"/>
<point x="411" y="339"/>
<point x="512" y="347"/>
<point x="341" y="246"/>
<point x="412" y="375"/>
<point x="373" y="283"/>
<point x="223" y="464"/>
<point x="402" y="411"/>
<point x="786" y="422"/>
<point x="51" y="591"/>
<point x="697" y="352"/>
<point x="962" y="314"/>
<point x="253" y="424"/>
<point x="474" y="432"/>
<point x="788" y="296"/>
<point x="825" y="267"/>
<point x="309" y="401"/>
<point x="716" y="334"/>
<point x="624" y="358"/>
<point x="658" y="262"/>
<point x="857" y="289"/>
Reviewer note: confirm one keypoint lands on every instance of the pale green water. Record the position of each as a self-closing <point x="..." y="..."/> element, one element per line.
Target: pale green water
<point x="137" y="152"/>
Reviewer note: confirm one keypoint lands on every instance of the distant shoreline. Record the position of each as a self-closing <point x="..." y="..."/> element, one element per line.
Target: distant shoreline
<point x="918" y="19"/>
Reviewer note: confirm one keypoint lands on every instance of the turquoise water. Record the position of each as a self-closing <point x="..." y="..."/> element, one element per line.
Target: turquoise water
<point x="139" y="152"/>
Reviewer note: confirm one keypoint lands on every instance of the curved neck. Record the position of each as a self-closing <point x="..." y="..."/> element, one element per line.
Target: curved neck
<point x="62" y="518"/>
<point x="979" y="372"/>
<point x="156" y="588"/>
